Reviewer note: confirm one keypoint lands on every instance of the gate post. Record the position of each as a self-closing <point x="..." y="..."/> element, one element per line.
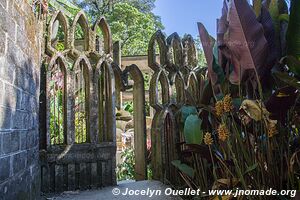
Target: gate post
<point x="139" y="121"/>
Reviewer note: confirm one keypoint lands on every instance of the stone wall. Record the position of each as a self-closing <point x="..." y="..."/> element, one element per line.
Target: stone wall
<point x="19" y="96"/>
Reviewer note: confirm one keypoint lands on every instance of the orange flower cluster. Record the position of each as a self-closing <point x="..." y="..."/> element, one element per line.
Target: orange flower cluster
<point x="208" y="140"/>
<point x="224" y="106"/>
<point x="228" y="106"/>
<point x="223" y="132"/>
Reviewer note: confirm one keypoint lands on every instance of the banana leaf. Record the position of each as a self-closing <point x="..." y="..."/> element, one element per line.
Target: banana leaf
<point x="208" y="45"/>
<point x="245" y="39"/>
<point x="293" y="33"/>
<point x="273" y="48"/>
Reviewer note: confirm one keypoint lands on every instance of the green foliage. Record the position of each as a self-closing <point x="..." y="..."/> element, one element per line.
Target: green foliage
<point x="125" y="170"/>
<point x="80" y="127"/>
<point x="132" y="21"/>
<point x="60" y="46"/>
<point x="293" y="33"/>
<point x="201" y="57"/>
<point x="251" y="137"/>
<point x="56" y="127"/>
<point x="66" y="6"/>
<point x="128" y="106"/>
<point x="132" y="27"/>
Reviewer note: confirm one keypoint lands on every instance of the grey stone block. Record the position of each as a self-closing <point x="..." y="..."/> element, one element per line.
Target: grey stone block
<point x="29" y="140"/>
<point x="7" y="70"/>
<point x="4" y="168"/>
<point x="1" y="144"/>
<point x="21" y="79"/>
<point x="1" y="89"/>
<point x="5" y="118"/>
<point x="3" y="3"/>
<point x="7" y="23"/>
<point x="32" y="157"/>
<point x="19" y="162"/>
<point x="18" y="120"/>
<point x="12" y="97"/>
<point x="24" y="102"/>
<point x="11" y="142"/>
<point x="23" y="140"/>
<point x="2" y="41"/>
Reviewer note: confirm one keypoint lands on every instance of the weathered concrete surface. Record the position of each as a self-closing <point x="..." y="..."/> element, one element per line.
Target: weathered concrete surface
<point x="106" y="193"/>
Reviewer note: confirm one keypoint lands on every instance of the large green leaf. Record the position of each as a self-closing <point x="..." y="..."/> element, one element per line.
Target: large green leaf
<point x="184" y="168"/>
<point x="192" y="130"/>
<point x="293" y="34"/>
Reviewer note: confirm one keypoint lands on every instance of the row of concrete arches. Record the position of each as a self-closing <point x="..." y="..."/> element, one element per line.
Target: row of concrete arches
<point x="176" y="54"/>
<point x="91" y="36"/>
<point x="85" y="89"/>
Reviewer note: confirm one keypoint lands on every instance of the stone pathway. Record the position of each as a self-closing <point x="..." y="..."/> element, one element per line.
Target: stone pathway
<point x="149" y="187"/>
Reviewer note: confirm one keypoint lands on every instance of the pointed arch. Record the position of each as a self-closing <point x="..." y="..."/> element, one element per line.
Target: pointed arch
<point x="104" y="27"/>
<point x="107" y="104"/>
<point x="191" y="55"/>
<point x="193" y="88"/>
<point x="56" y="101"/>
<point x="81" y="20"/>
<point x="82" y="70"/>
<point x="178" y="89"/>
<point x="160" y="39"/>
<point x="175" y="52"/>
<point x="159" y="78"/>
<point x="61" y="19"/>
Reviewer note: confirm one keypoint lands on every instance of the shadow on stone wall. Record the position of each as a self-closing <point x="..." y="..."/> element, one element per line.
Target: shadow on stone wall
<point x="19" y="133"/>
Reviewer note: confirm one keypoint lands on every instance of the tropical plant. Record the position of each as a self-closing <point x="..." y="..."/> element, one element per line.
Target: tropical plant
<point x="250" y="122"/>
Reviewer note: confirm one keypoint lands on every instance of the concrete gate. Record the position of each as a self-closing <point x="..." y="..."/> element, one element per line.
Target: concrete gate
<point x="80" y="82"/>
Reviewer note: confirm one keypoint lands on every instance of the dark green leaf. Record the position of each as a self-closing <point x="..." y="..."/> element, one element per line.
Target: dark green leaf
<point x="192" y="130"/>
<point x="184" y="168"/>
<point x="293" y="34"/>
<point x="186" y="111"/>
<point x="293" y="64"/>
<point x="251" y="168"/>
<point x="292" y="81"/>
